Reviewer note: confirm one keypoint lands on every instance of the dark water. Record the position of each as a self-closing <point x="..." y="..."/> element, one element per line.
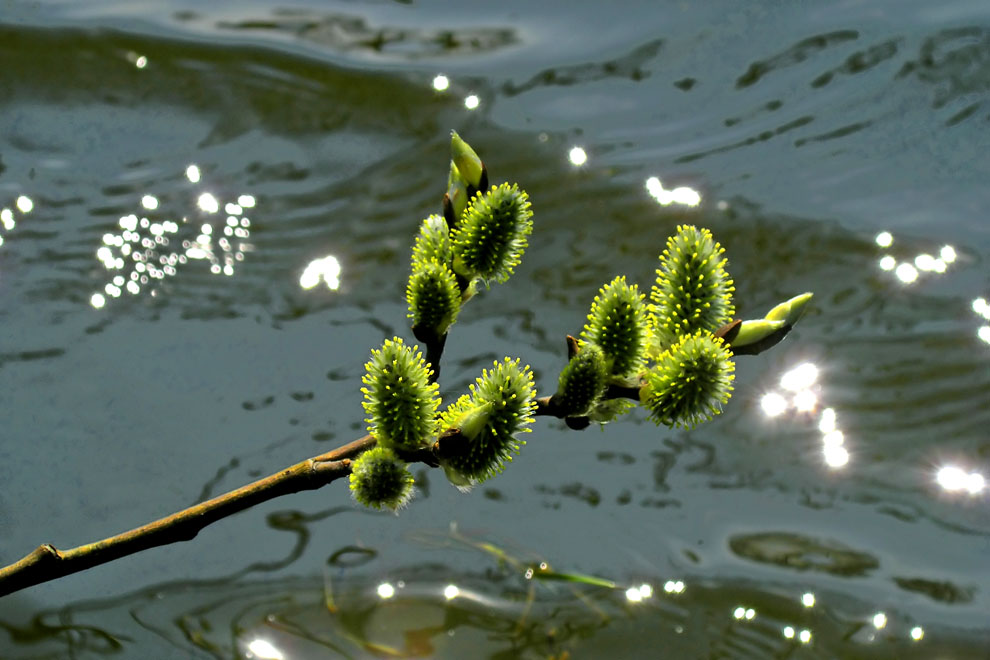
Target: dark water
<point x="806" y="128"/>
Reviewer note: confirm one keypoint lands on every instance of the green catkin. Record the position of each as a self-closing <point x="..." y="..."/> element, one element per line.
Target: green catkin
<point x="399" y="399"/>
<point x="582" y="382"/>
<point x="618" y="324"/>
<point x="433" y="297"/>
<point x="432" y="242"/>
<point x="692" y="291"/>
<point x="380" y="480"/>
<point x="489" y="241"/>
<point x="690" y="381"/>
<point x="500" y="406"/>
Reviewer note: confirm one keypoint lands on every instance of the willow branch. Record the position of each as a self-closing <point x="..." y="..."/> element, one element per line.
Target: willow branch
<point x="47" y="563"/>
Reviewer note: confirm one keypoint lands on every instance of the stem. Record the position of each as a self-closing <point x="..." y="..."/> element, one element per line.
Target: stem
<point x="47" y="563"/>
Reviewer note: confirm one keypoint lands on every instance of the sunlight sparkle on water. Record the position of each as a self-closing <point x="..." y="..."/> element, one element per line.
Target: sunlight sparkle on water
<point x="980" y="306"/>
<point x="451" y="592"/>
<point x="441" y="83"/>
<point x="264" y="650"/>
<point x="885" y="239"/>
<point x="773" y="404"/>
<point x="800" y="377"/>
<point x="192" y="173"/>
<point x="906" y="272"/>
<point x="673" y="586"/>
<point x="917" y="633"/>
<point x="879" y="620"/>
<point x="826" y="423"/>
<point x="805" y="636"/>
<point x="577" y="156"/>
<point x="805" y="401"/>
<point x="141" y="62"/>
<point x="633" y="595"/>
<point x="888" y="263"/>
<point x="808" y="599"/>
<point x="681" y="195"/>
<point x="24" y="204"/>
<point x="954" y="479"/>
<point x="984" y="333"/>
<point x="208" y="203"/>
<point x="97" y="300"/>
<point x="836" y="456"/>
<point x="149" y="202"/>
<point x="385" y="590"/>
<point x="7" y="218"/>
<point x="947" y="253"/>
<point x="471" y="102"/>
<point x="788" y="632"/>
<point x="326" y="269"/>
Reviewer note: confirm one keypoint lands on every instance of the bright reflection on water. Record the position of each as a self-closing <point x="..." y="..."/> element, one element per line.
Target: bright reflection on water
<point x="681" y="195"/>
<point x="326" y="269"/>
<point x="264" y="650"/>
<point x="146" y="251"/>
<point x="954" y="479"/>
<point x="441" y="83"/>
<point x="24" y="204"/>
<point x="909" y="271"/>
<point x="471" y="102"/>
<point x="577" y="156"/>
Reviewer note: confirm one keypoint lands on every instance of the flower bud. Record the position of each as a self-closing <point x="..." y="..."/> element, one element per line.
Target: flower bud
<point x="618" y="324"/>
<point x="489" y="240"/>
<point x="751" y="332"/>
<point x="582" y="382"/>
<point x="468" y="164"/>
<point x="791" y="310"/>
<point x="433" y="297"/>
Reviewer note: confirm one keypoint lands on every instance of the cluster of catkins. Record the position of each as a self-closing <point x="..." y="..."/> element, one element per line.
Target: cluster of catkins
<point x="673" y="351"/>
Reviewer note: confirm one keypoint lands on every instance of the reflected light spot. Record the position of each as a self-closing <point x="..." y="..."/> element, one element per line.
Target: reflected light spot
<point x="208" y="203"/>
<point x="739" y="612"/>
<point x="141" y="62"/>
<point x="24" y="204"/>
<point x="264" y="650"/>
<point x="833" y="439"/>
<point x="926" y="262"/>
<point x="773" y="404"/>
<point x="673" y="586"/>
<point x="885" y="239"/>
<point x="750" y="614"/>
<point x="947" y="253"/>
<point x="247" y="201"/>
<point x="800" y="377"/>
<point x="451" y="592"/>
<point x="149" y="202"/>
<point x="906" y="272"/>
<point x="681" y="195"/>
<point x="577" y="156"/>
<point x="1" y="240"/>
<point x="7" y="218"/>
<point x="97" y="300"/>
<point x="808" y="599"/>
<point x="646" y="591"/>
<point x="826" y="423"/>
<point x="192" y="173"/>
<point x="975" y="483"/>
<point x="385" y="590"/>
<point x="789" y="632"/>
<point x="805" y="401"/>
<point x="917" y="633"/>
<point x="836" y="456"/>
<point x="951" y="478"/>
<point x="633" y="595"/>
<point x="472" y="101"/>
<point x="326" y="269"/>
<point x="879" y="620"/>
<point x="805" y="636"/>
<point x="441" y="83"/>
<point x="984" y="333"/>
<point x="980" y="305"/>
<point x="888" y="263"/>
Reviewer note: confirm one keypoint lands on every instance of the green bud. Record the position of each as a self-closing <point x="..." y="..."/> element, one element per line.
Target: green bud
<point x="467" y="162"/>
<point x="582" y="382"/>
<point x="692" y="291"/>
<point x="399" y="399"/>
<point x="380" y="480"/>
<point x="791" y="310"/>
<point x="751" y="332"/>
<point x="457" y="191"/>
<point x="618" y="323"/>
<point x="690" y="382"/>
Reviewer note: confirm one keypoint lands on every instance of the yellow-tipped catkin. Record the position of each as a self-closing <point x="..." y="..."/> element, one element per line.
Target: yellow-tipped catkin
<point x="399" y="399"/>
<point x="692" y="291"/>
<point x="490" y="238"/>
<point x="618" y="323"/>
